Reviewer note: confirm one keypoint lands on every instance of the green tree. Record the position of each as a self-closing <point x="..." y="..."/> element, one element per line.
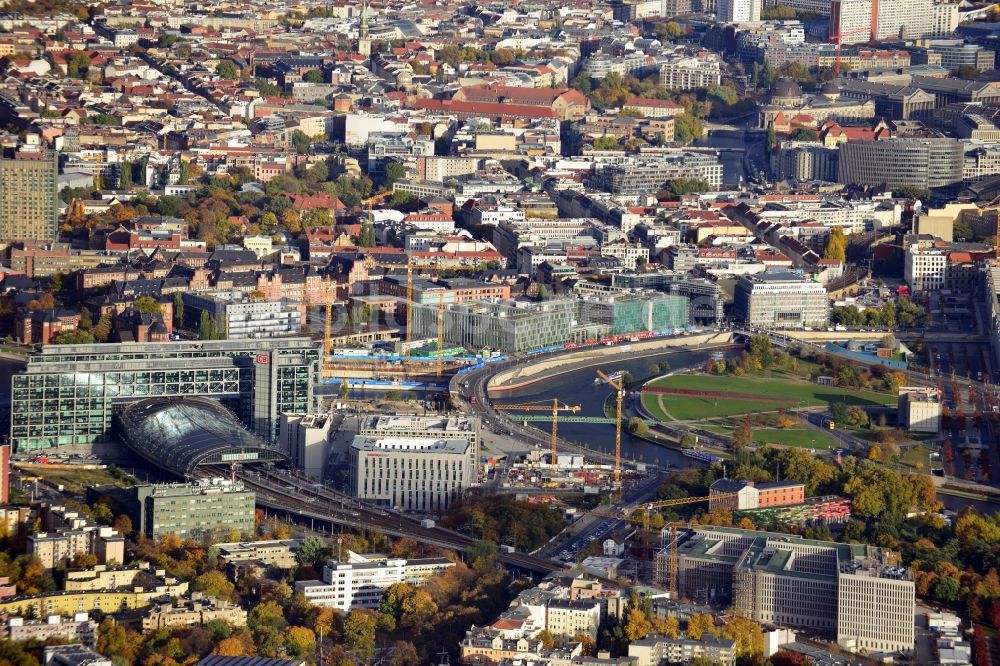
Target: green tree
<point x="394" y="171"/>
<point x="724" y="95"/>
<point x="778" y="13"/>
<point x="879" y="492"/>
<point x="213" y="584"/>
<point x="267" y="88"/>
<point x="668" y="31"/>
<point x="312" y="550"/>
<point x="352" y="190"/>
<point x="301" y="642"/>
<point x="606" y="143"/>
<point x="400" y="200"/>
<point x="16" y="654"/>
<point x="687" y="128"/>
<point x="73" y="336"/>
<point x="947" y="589"/>
<point x="86" y="319"/>
<point x="392" y="600"/>
<point x="102" y="513"/>
<point x="206" y="327"/>
<point x="359" y="632"/>
<point x="804" y="134"/>
<point x="367" y="237"/>
<point x="965" y="72"/>
<point x="482" y="549"/>
<point x="77" y="65"/>
<point x="121" y="645"/>
<point x="148" y="305"/>
<point x="301" y="142"/>
<point x="266" y="622"/>
<point x="317" y="173"/>
<point x="227" y="69"/>
<point x="313" y="76"/>
<point x="102" y="330"/>
<point x="763" y="76"/>
<point x="178" y="310"/>
<point x="761" y="351"/>
<point x="682" y="186"/>
<point x="125" y="176"/>
<point x="910" y="192"/>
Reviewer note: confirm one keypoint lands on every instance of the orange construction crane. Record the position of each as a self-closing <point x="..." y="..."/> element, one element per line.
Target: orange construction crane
<point x="619" y="387"/>
<point x="555" y="407"/>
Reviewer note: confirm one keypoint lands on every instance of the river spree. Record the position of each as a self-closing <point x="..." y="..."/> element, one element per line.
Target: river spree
<point x="577" y="387"/>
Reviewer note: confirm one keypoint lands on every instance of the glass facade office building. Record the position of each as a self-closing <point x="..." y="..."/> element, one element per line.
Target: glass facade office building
<point x="68" y="394"/>
<point x="623" y="314"/>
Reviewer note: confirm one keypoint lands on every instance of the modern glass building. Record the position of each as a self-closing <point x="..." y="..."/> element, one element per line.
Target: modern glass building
<point x="635" y="313"/>
<point x="68" y="394"/>
<point x="503" y="325"/>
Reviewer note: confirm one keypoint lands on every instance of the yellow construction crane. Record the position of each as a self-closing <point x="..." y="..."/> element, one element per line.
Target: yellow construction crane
<point x="647" y="510"/>
<point x="619" y="387"/>
<point x="409" y="301"/>
<point x="440" y="343"/>
<point x="663" y="504"/>
<point x="370" y="201"/>
<point x="555" y="407"/>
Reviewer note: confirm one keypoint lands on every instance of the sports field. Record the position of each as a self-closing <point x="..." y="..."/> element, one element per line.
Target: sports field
<point x="729" y="396"/>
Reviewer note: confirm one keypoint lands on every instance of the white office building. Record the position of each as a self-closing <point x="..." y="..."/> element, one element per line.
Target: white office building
<point x="241" y="315"/>
<point x="859" y="21"/>
<point x="362" y="580"/>
<point x="738" y="11"/>
<point x="306" y="440"/>
<point x="781" y="299"/>
<point x="421" y="474"/>
<point x="461" y="428"/>
<point x="919" y="409"/>
<point x="925" y="268"/>
<point x="852" y="20"/>
<point x="691" y="73"/>
<point x="494" y="215"/>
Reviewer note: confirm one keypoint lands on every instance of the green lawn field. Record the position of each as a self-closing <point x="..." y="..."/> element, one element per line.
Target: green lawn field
<point x="781" y="393"/>
<point x="807" y="439"/>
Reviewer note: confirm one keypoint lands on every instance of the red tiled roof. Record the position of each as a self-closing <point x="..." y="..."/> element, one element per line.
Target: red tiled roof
<point x="311" y="201"/>
<point x="655" y="103"/>
<point x="484" y="108"/>
<point x="517" y="95"/>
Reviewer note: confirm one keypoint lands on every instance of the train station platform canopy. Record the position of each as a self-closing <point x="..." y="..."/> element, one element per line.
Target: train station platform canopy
<point x="179" y="434"/>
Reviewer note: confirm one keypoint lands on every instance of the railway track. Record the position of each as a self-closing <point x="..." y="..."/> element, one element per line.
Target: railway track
<point x="302" y="498"/>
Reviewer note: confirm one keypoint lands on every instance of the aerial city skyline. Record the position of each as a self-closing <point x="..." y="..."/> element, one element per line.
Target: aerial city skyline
<point x="603" y="333"/>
